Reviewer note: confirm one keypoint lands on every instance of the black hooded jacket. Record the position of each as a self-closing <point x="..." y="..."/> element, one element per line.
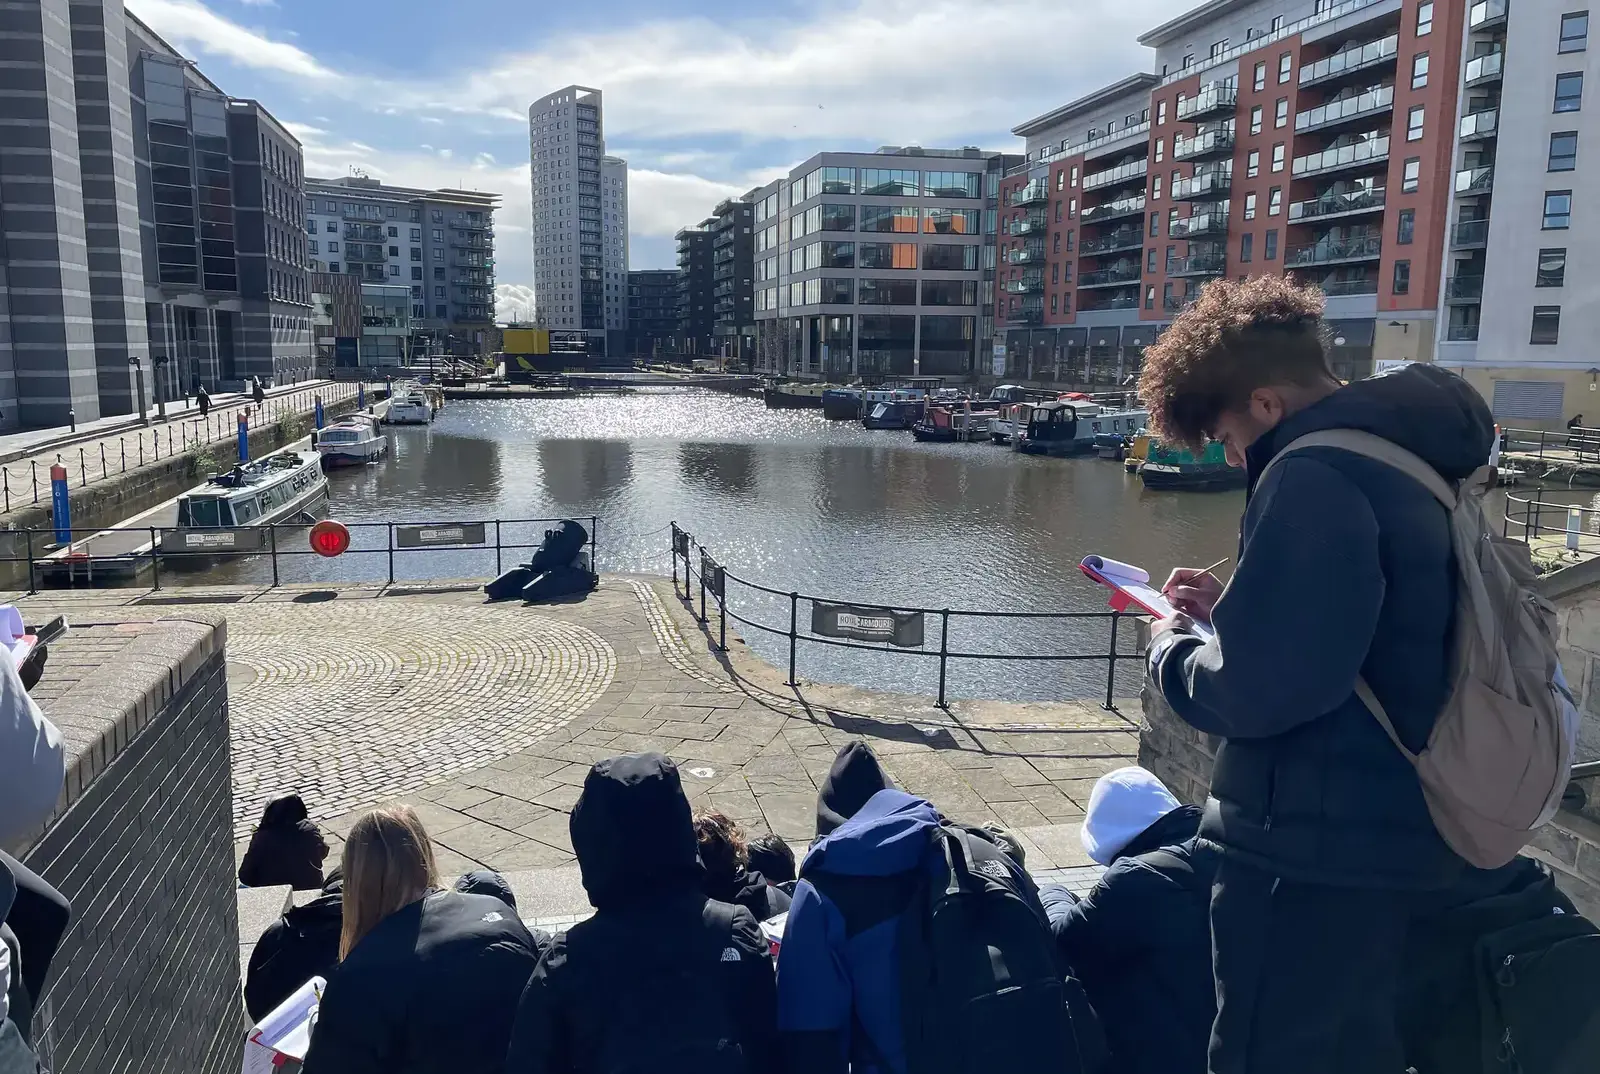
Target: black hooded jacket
<point x="300" y="945"/>
<point x="286" y="848"/>
<point x="1345" y="568"/>
<point x="749" y="889"/>
<point x="855" y="777"/>
<point x="633" y="834"/>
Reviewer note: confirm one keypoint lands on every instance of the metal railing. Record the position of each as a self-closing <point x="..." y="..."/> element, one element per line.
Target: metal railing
<point x="716" y="584"/>
<point x="1349" y="60"/>
<point x="1369" y="150"/>
<point x="1334" y="203"/>
<point x="1122" y="173"/>
<point x="1363" y="104"/>
<point x="1574" y="527"/>
<point x="1112" y="209"/>
<point x="1213" y="97"/>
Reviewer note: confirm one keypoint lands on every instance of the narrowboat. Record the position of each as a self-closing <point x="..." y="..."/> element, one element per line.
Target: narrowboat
<point x="1058" y="429"/>
<point x="894" y="414"/>
<point x="1171" y="467"/>
<point x="286" y="487"/>
<point x="946" y="424"/>
<point x="841" y="404"/>
<point x="790" y="396"/>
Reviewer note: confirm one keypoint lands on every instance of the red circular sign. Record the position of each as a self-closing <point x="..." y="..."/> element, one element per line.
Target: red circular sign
<point x="329" y="538"/>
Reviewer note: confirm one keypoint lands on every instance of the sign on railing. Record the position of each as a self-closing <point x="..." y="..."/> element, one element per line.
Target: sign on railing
<point x="473" y="533"/>
<point x="716" y="579"/>
<point x="860" y="623"/>
<point x="246" y="539"/>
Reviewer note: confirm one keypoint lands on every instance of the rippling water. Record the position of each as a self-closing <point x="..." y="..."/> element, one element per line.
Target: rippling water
<point x="792" y="501"/>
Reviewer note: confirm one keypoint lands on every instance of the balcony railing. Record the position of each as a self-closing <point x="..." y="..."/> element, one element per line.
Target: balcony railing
<point x="1360" y="285"/>
<point x="1031" y="254"/>
<point x="1463" y="289"/>
<point x="1028" y="313"/>
<point x="1461" y="333"/>
<point x="1113" y="302"/>
<point x="1213" y="98"/>
<point x="1475" y="180"/>
<point x="1357" y="154"/>
<point x="1032" y="224"/>
<point x="1476" y="126"/>
<point x="1034" y="193"/>
<point x="1486" y="15"/>
<point x="1337" y="204"/>
<point x="1211" y="184"/>
<point x="1486" y="68"/>
<point x="1174" y="303"/>
<point x="1111" y="210"/>
<point x="1349" y="60"/>
<point x="1122" y="173"/>
<point x="1120" y="276"/>
<point x="1030" y="284"/>
<point x="1211" y="143"/>
<point x="1206" y="264"/>
<point x="1124" y="238"/>
<point x="1200" y="224"/>
<point x="1468" y="234"/>
<point x="1333" y="251"/>
<point x="1370" y="103"/>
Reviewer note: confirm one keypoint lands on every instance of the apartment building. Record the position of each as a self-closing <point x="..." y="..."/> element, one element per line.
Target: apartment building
<point x="439" y="244"/>
<point x="1312" y="138"/>
<point x="871" y="264"/>
<point x="733" y="328"/>
<point x="1517" y="295"/>
<point x="652" y="312"/>
<point x="695" y="304"/>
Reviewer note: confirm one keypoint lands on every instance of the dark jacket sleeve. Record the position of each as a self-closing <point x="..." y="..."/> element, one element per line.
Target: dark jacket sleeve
<point x="1296" y="620"/>
<point x="539" y="1042"/>
<point x="755" y="997"/>
<point x="814" y="992"/>
<point x="1095" y="934"/>
<point x="355" y="1023"/>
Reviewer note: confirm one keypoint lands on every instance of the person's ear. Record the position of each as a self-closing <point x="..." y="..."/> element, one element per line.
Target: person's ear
<point x="1267" y="406"/>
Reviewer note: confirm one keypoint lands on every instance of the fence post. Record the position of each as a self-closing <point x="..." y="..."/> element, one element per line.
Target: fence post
<point x="5" y="475"/>
<point x="35" y="464"/>
<point x="794" y="634"/>
<point x="389" y="528"/>
<point x="497" y="567"/>
<point x="594" y="543"/>
<point x="272" y="537"/>
<point x="155" y="558"/>
<point x="33" y="575"/>
<point x="673" y="537"/>
<point x="944" y="650"/>
<point x="124" y="444"/>
<point x="103" y="474"/>
<point x="1111" y="673"/>
<point x="702" y="586"/>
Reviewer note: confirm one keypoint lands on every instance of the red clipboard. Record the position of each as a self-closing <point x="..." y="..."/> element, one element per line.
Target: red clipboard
<point x="1130" y="588"/>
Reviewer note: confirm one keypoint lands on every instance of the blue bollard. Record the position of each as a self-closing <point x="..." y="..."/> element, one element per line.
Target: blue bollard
<point x="60" y="502"/>
<point x="319" y="411"/>
<point x="244" y="437"/>
<point x="361" y="395"/>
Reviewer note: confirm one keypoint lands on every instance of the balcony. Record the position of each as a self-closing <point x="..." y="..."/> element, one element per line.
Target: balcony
<point x="1030" y="254"/>
<point x="1034" y="193"/>
<point x="1473" y="181"/>
<point x="1032" y="224"/>
<point x="1462" y="333"/>
<point x="1463" y="290"/>
<point x="363" y="233"/>
<point x="1120" y="276"/>
<point x="1205" y="264"/>
<point x="1476" y="126"/>
<point x="1133" y="171"/>
<point x="1349" y="61"/>
<point x="1174" y="303"/>
<point x="1124" y="238"/>
<point x="1486" y="16"/>
<point x="1199" y="224"/>
<point x="1213" y="99"/>
<point x="1334" y="251"/>
<point x="1358" y="285"/>
<point x="1030" y="312"/>
<point x="1032" y="283"/>
<point x="1112" y="210"/>
<point x="1203" y="185"/>
<point x="1485" y="69"/>
<point x="1370" y="150"/>
<point x="1345" y="110"/>
<point x="1213" y="143"/>
<point x="1112" y="302"/>
<point x="1337" y="204"/>
<point x="1469" y="235"/>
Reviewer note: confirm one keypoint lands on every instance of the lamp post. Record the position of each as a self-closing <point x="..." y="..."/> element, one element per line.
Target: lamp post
<point x="138" y="379"/>
<point x="160" y="362"/>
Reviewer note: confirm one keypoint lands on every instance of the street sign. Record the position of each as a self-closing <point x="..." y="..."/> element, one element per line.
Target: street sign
<point x="859" y="623"/>
<point x="450" y="533"/>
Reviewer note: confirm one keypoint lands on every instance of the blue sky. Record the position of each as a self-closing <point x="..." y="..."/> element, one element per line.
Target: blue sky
<point x="704" y="99"/>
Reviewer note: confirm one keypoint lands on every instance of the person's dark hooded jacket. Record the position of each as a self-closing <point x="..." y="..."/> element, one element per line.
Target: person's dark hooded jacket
<point x="433" y="987"/>
<point x="1345" y="569"/>
<point x="300" y="945"/>
<point x="854" y="778"/>
<point x="633" y="834"/>
<point x="1140" y="943"/>
<point x="749" y="889"/>
<point x="286" y="848"/>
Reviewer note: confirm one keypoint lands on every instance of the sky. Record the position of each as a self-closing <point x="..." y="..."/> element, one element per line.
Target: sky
<point x="704" y="99"/>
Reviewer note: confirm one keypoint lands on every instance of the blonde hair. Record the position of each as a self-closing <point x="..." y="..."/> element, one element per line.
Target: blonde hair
<point x="388" y="864"/>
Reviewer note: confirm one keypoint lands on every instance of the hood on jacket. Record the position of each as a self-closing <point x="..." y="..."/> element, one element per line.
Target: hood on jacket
<point x="284" y="812"/>
<point x="487" y="882"/>
<point x="1122" y="805"/>
<point x="633" y="832"/>
<point x="1433" y="414"/>
<point x="855" y="777"/>
<point x="886" y="837"/>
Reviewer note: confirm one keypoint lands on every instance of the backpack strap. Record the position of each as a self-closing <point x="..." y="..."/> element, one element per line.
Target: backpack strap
<point x="1373" y="447"/>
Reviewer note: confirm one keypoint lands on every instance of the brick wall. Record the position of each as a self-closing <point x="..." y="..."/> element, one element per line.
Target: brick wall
<point x="147" y="978"/>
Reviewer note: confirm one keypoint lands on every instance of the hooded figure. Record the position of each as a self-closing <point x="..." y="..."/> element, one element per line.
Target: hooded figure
<point x="854" y="778"/>
<point x="729" y="876"/>
<point x="660" y="977"/>
<point x="286" y="848"/>
<point x="300" y="945"/>
<point x="1140" y="942"/>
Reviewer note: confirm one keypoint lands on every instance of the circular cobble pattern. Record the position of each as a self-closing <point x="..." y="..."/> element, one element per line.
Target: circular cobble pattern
<point x="355" y="702"/>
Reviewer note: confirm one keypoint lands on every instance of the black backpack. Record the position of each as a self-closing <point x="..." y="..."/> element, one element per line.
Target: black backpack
<point x="980" y="988"/>
<point x="671" y="1014"/>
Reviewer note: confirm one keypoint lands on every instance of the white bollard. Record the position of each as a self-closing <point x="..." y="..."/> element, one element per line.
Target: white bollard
<point x="1574" y="527"/>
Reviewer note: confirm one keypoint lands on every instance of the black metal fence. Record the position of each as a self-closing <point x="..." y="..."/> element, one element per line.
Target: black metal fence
<point x="867" y="625"/>
<point x="1568" y="526"/>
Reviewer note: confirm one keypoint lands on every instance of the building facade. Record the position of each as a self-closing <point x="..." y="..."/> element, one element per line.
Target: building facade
<point x="580" y="219"/>
<point x="696" y="313"/>
<point x="733" y="328"/>
<point x="870" y="265"/>
<point x="652" y="313"/>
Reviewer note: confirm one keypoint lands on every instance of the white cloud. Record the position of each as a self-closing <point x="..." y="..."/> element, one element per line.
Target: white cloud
<point x="190" y="24"/>
<point x="514" y="302"/>
<point x="660" y="203"/>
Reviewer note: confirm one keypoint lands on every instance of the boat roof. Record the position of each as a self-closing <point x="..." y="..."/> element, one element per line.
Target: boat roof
<point x="263" y="471"/>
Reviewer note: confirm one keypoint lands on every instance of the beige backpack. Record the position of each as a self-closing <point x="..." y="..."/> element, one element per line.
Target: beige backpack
<point x="1498" y="760"/>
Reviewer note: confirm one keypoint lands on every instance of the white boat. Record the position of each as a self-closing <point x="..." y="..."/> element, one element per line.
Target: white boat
<point x="285" y="487"/>
<point x="409" y="406"/>
<point x="352" y="441"/>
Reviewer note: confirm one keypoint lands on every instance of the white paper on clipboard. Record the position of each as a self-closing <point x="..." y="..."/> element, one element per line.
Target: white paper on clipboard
<point x="1132" y="584"/>
<point x="285" y="1033"/>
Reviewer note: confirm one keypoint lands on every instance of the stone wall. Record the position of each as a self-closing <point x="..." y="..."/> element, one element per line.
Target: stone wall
<point x="147" y="977"/>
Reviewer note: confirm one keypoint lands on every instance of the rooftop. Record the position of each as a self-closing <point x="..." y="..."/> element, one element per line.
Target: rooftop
<point x="358" y="186"/>
<point x="1172" y="29"/>
<point x="1139" y="84"/>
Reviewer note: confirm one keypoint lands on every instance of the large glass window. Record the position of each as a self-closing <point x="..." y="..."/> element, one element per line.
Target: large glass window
<point x="950" y="184"/>
<point x="837" y="291"/>
<point x="886" y="345"/>
<point x="1546" y="325"/>
<point x="887" y="255"/>
<point x="888" y="292"/>
<point x="1557" y="210"/>
<point x="838" y="217"/>
<point x="1574" y="32"/>
<point x="889" y="181"/>
<point x="837" y="254"/>
<point x="814" y="184"/>
<point x="949" y="292"/>
<point x="947" y="345"/>
<point x="950" y="221"/>
<point x="1569" y="91"/>
<point x="838" y="180"/>
<point x="887" y="217"/>
<point x="949" y="257"/>
<point x="1552" y="268"/>
<point x="1563" y="152"/>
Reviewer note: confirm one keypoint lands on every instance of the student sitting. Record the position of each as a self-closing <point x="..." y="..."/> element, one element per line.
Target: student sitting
<point x="660" y="979"/>
<point x="427" y="980"/>
<point x="286" y="848"/>
<point x="1140" y="942"/>
<point x="771" y="857"/>
<point x="729" y="877"/>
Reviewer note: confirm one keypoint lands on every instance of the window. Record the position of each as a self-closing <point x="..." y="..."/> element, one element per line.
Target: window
<point x="1414" y="123"/>
<point x="394" y="251"/>
<point x="1557" y="210"/>
<point x="1401" y="284"/>
<point x="1271" y="251"/>
<point x="1277" y="157"/>
<point x="1255" y="120"/>
<point x="1285" y="66"/>
<point x="1055" y="301"/>
<point x="1275" y="201"/>
<point x="416" y="253"/>
<point x="438" y="234"/>
<point x="936" y="221"/>
<point x="1058" y="213"/>
<point x="1161" y="112"/>
<point x="394" y="232"/>
<point x="1411" y="175"/>
<point x="1261" y="75"/>
<point x="1250" y="206"/>
<point x="1155" y="225"/>
<point x="1188" y="60"/>
<point x="1055" y="247"/>
<point x="1247" y="247"/>
<point x="438" y="273"/>
<point x="1069" y="240"/>
<point x="1546" y="325"/>
<point x="1405" y="227"/>
<point x="333" y="267"/>
<point x="311" y="246"/>
<point x="1280" y="112"/>
<point x="1061" y="179"/>
<point x="1161" y="150"/>
<point x="438" y="255"/>
<point x="1073" y="179"/>
<point x="1574" y="33"/>
<point x="1155" y="189"/>
<point x="1149" y="298"/>
<point x="1055" y="273"/>
<point x="1252" y="164"/>
<point x="887" y="292"/>
<point x="394" y="270"/>
<point x="1425" y="18"/>
<point x="1172" y="221"/>
<point x="333" y="247"/>
<point x="1569" y="91"/>
<point x="887" y="255"/>
<point x="416" y="272"/>
<point x="950" y="184"/>
<point x="1563" y="151"/>
<point x="332" y="228"/>
<point x="1277" y="23"/>
<point x="1219" y="47"/>
<point x="437" y="216"/>
<point x="888" y="181"/>
<point x="887" y="217"/>
<point x="1552" y="270"/>
<point x="1150" y="260"/>
<point x="1419" y="70"/>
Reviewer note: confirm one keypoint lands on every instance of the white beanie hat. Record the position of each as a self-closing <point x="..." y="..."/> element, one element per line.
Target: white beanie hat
<point x="1123" y="804"/>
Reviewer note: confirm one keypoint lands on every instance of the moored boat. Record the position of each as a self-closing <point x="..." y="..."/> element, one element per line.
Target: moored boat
<point x="409" y="405"/>
<point x="1170" y="467"/>
<point x="841" y="404"/>
<point x="793" y="396"/>
<point x="894" y="414"/>
<point x="288" y="486"/>
<point x="352" y="441"/>
<point x="1059" y="429"/>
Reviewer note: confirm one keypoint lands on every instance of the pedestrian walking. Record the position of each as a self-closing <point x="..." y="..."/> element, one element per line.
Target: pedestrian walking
<point x="202" y="400"/>
<point x="259" y="393"/>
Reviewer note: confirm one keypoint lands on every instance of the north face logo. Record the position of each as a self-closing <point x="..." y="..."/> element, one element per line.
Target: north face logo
<point x="730" y="954"/>
<point x="993" y="869"/>
<point x="493" y="915"/>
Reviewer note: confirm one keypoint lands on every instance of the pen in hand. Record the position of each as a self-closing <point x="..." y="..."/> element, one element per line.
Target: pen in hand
<point x="1193" y="602"/>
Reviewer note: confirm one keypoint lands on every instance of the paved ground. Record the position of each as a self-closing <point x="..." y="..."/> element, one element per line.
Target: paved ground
<point x="487" y="717"/>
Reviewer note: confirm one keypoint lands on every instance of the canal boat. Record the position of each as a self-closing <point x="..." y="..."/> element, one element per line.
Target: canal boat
<point x="1168" y="466"/>
<point x="1058" y="429"/>
<point x="285" y="487"/>
<point x="1134" y="457"/>
<point x="841" y="404"/>
<point x="353" y="441"/>
<point x="410" y="405"/>
<point x="790" y="396"/>
<point x="1114" y="430"/>
<point x="1011" y="416"/>
<point x="894" y="413"/>
<point x="948" y="424"/>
